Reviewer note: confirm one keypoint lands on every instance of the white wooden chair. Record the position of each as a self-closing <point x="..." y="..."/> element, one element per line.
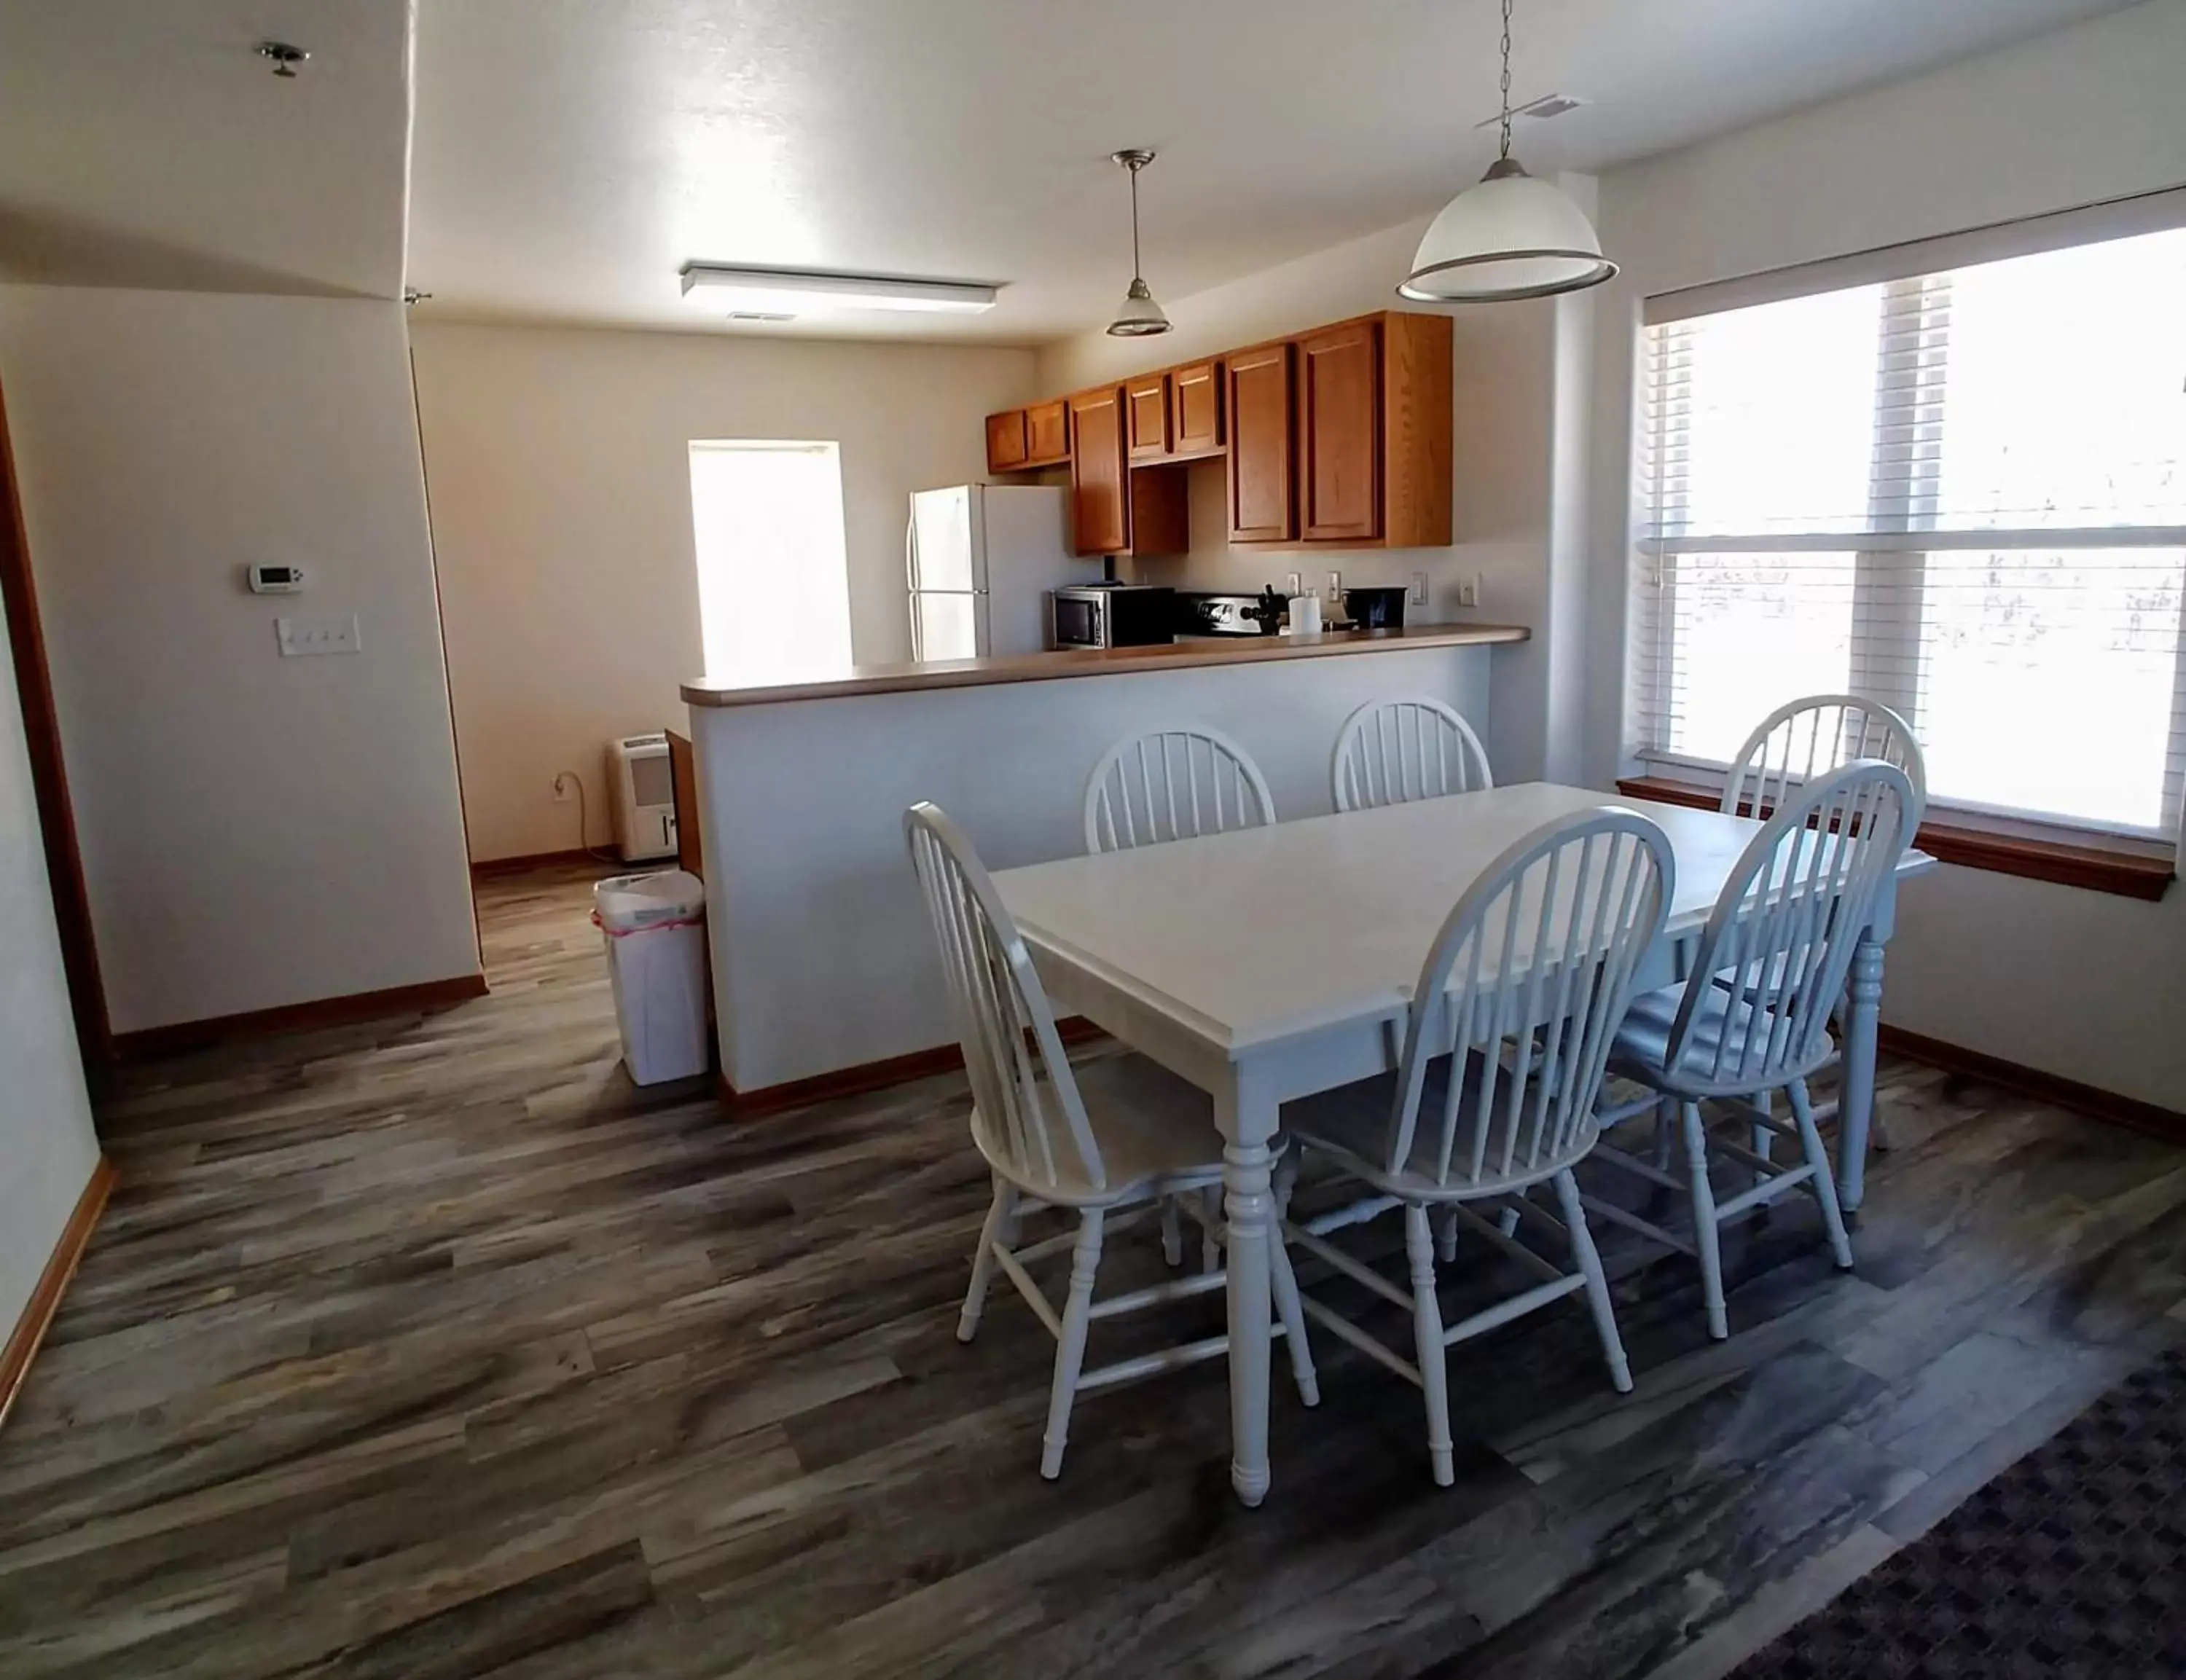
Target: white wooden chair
<point x="1796" y="742"/>
<point x="1390" y="752"/>
<point x="1173" y="784"/>
<point x="1504" y="1050"/>
<point x="1776" y="949"/>
<point x="1810" y="737"/>
<point x="1105" y="1141"/>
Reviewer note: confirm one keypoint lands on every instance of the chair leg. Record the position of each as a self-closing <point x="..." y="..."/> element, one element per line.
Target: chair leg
<point x="1070" y="1346"/>
<point x="1172" y="1233"/>
<point x="1707" y="1237"/>
<point x="1210" y="1251"/>
<point x="1666" y="1113"/>
<point x="998" y="1216"/>
<point x="1445" y="1231"/>
<point x="1597" y="1281"/>
<point x="1823" y="1183"/>
<point x="1284" y="1280"/>
<point x="1426" y="1333"/>
<point x="1763" y="1138"/>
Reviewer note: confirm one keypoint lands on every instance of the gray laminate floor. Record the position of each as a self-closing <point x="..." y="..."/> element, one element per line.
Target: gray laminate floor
<point x="433" y="1349"/>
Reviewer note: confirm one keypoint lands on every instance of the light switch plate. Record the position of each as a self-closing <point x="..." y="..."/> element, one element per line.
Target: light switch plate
<point x="1419" y="588"/>
<point x="321" y="633"/>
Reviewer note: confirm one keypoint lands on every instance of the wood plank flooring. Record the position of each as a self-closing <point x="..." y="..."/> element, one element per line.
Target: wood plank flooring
<point x="434" y="1350"/>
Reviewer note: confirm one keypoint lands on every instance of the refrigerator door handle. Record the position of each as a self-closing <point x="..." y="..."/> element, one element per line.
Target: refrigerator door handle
<point x="911" y="554"/>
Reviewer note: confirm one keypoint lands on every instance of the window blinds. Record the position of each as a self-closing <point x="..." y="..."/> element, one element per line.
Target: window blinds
<point x="1960" y="493"/>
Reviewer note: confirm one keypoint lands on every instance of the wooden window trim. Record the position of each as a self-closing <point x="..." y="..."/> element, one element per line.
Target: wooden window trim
<point x="2127" y="871"/>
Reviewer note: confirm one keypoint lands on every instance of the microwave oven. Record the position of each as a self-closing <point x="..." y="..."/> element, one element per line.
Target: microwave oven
<point x="1110" y="615"/>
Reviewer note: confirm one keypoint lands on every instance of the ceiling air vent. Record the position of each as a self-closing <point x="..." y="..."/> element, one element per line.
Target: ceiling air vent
<point x="757" y="314"/>
<point x="1548" y="105"/>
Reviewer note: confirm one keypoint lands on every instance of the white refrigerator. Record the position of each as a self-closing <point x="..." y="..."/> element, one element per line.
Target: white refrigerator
<point x="978" y="560"/>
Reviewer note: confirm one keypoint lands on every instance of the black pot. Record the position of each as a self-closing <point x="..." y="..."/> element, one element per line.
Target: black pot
<point x="1375" y="608"/>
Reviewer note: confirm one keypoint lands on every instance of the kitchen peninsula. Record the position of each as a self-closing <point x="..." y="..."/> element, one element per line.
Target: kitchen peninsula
<point x="823" y="968"/>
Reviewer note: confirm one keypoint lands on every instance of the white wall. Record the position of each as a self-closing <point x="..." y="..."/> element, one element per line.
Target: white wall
<point x="1504" y="421"/>
<point x="47" y="1149"/>
<point x="561" y="496"/>
<point x="2090" y="987"/>
<point x="256" y="831"/>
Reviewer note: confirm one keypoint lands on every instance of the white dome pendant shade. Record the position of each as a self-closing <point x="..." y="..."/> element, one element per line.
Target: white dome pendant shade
<point x="1141" y="316"/>
<point x="1511" y="236"/>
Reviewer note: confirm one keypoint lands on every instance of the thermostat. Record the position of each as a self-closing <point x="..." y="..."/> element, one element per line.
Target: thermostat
<point x="276" y="579"/>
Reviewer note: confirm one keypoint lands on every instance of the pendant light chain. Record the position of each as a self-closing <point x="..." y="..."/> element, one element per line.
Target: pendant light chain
<point x="1505" y="151"/>
<point x="1135" y="270"/>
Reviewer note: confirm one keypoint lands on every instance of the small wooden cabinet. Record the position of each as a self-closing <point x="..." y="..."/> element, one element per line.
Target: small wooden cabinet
<point x="1020" y="440"/>
<point x="1006" y="441"/>
<point x="1339" y="414"/>
<point x="1263" y="507"/>
<point x="1196" y="408"/>
<point x="1146" y="405"/>
<point x="1047" y="434"/>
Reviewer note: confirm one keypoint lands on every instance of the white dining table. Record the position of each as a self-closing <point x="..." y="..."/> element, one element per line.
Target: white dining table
<point x="1271" y="963"/>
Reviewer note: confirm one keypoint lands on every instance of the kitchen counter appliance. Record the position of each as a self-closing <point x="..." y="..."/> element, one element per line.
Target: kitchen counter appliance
<point x="1375" y="608"/>
<point x="1200" y="613"/>
<point x="1110" y="615"/>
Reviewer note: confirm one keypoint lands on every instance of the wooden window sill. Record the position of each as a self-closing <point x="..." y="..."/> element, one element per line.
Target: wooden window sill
<point x="2129" y="873"/>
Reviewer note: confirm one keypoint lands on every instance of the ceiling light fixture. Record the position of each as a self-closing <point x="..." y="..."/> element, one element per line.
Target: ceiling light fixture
<point x="1141" y="316"/>
<point x="790" y="291"/>
<point x="1509" y="236"/>
<point x="285" y="58"/>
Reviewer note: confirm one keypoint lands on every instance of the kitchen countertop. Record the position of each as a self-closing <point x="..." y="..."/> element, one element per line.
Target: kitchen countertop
<point x="1096" y="662"/>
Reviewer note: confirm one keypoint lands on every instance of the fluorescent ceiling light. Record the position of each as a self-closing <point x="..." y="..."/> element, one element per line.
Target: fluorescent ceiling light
<point x="795" y="290"/>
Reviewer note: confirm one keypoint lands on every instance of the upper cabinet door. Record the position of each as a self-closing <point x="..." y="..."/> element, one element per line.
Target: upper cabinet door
<point x="1195" y="407"/>
<point x="1339" y="428"/>
<point x="1099" y="506"/>
<point x="1006" y="441"/>
<point x="1262" y="507"/>
<point x="1146" y="400"/>
<point x="1047" y="434"/>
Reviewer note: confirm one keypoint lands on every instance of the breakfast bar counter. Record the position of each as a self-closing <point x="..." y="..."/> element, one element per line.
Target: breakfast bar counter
<point x="825" y="975"/>
<point x="1169" y="655"/>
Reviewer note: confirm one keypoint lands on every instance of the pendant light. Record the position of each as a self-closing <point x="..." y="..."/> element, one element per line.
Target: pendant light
<point x="1509" y="237"/>
<point x="1141" y="316"/>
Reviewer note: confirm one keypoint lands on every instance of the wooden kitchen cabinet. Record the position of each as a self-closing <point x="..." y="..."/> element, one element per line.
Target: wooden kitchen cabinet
<point x="1147" y="412"/>
<point x="1115" y="507"/>
<point x="1196" y="408"/>
<point x="1006" y="441"/>
<point x="1047" y="434"/>
<point x="1262" y="504"/>
<point x="1019" y="440"/>
<point x="1339" y="454"/>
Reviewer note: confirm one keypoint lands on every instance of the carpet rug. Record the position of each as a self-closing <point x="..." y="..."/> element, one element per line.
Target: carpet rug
<point x="2071" y="1562"/>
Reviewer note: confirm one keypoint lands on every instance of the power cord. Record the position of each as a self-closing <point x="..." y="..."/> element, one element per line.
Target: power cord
<point x="584" y="818"/>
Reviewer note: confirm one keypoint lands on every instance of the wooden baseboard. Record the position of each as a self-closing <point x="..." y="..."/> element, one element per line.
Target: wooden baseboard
<point x="46" y="1299"/>
<point x="486" y="868"/>
<point x="303" y="1017"/>
<point x="867" y="1076"/>
<point x="2068" y="1093"/>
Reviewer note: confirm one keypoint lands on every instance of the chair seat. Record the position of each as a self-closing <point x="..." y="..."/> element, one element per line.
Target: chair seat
<point x="1642" y="1045"/>
<point x="1351" y="1123"/>
<point x="1156" y="1133"/>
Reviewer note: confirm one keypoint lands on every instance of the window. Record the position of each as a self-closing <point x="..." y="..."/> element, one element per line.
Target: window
<point x="1960" y="492"/>
<point x="774" y="589"/>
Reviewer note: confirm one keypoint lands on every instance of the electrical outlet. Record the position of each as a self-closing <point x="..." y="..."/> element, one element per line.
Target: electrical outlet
<point x="1335" y="588"/>
<point x="561" y="789"/>
<point x="1292" y="578"/>
<point x="1419" y="588"/>
<point x="327" y="634"/>
<point x="1468" y="590"/>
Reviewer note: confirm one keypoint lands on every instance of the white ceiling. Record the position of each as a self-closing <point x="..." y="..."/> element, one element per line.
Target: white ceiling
<point x="571" y="155"/>
<point x="142" y="143"/>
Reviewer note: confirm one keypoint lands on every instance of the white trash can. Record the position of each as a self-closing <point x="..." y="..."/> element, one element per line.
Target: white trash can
<point x="655" y="929"/>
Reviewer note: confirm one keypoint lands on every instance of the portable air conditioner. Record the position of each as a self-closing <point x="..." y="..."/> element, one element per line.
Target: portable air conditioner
<point x="644" y="797"/>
